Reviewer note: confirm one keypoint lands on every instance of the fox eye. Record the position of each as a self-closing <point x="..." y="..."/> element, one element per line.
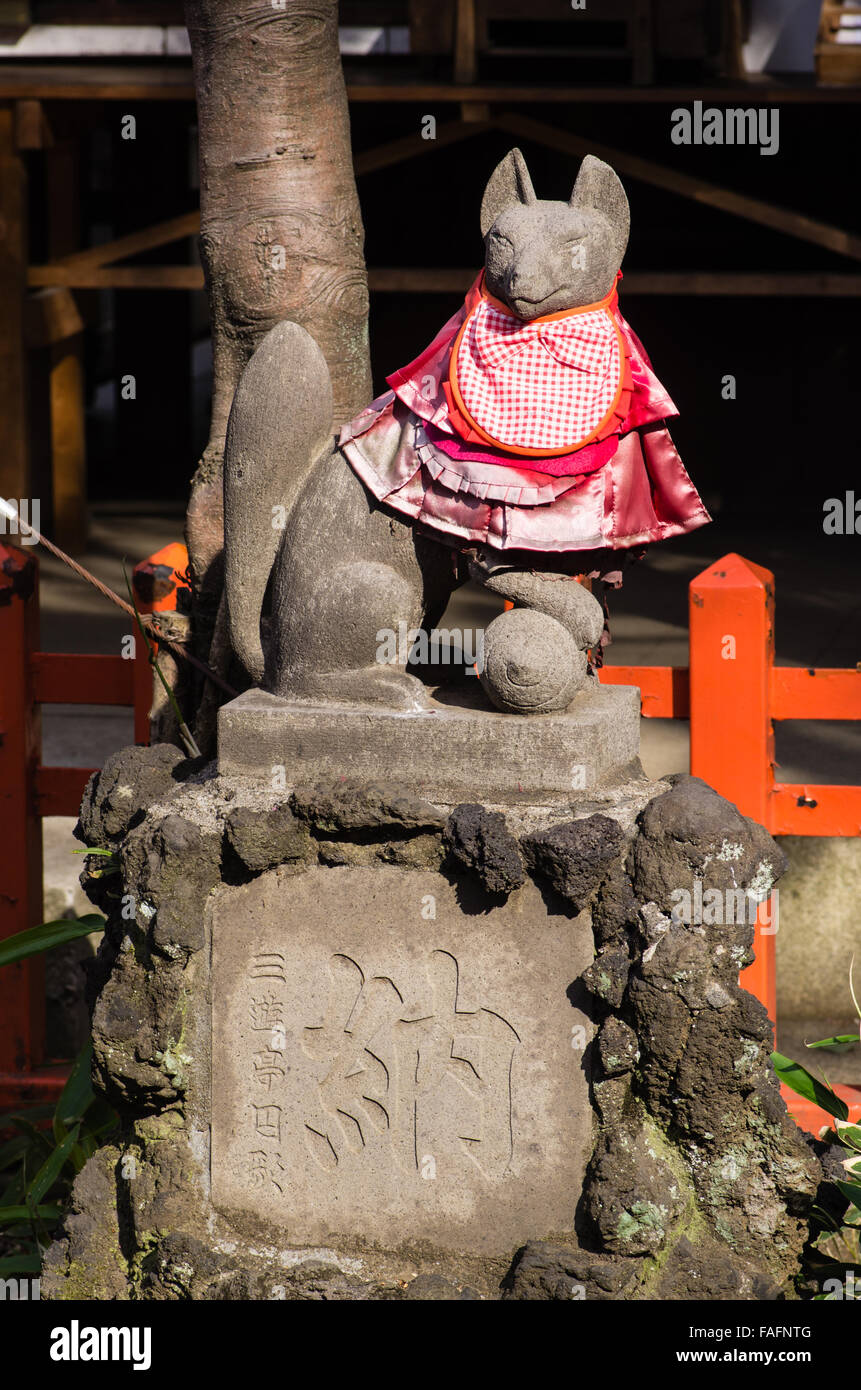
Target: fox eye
<point x="496" y="235"/>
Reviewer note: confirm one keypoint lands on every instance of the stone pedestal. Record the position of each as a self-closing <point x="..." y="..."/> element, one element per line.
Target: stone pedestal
<point x="457" y="749"/>
<point x="404" y="1009"/>
<point x="396" y="1059"/>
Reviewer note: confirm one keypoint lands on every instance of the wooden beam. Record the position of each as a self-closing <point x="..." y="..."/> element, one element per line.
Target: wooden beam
<point x="811" y="285"/>
<point x="50" y="316"/>
<point x="15" y="455"/>
<point x="456" y="280"/>
<point x="732" y="39"/>
<point x="475" y="112"/>
<point x="395" y="151"/>
<point x="118" y="277"/>
<point x="158" y="82"/>
<point x="757" y="284"/>
<point x="511" y="94"/>
<point x="419" y="280"/>
<point x="160" y="234"/>
<point x="66" y="396"/>
<point x="838" y="62"/>
<point x="31" y="128"/>
<point x="756" y="88"/>
<point x="687" y="186"/>
<point x="641" y="30"/>
<point x="96" y="82"/>
<point x="66" y="385"/>
<point x="465" y="62"/>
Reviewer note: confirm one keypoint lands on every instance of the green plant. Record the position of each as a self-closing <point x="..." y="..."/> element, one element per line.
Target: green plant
<point x="42" y="1148"/>
<point x="835" y="1250"/>
<point x="38" y="939"/>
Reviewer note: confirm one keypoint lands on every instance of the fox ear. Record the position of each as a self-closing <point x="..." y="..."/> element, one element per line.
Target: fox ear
<point x="509" y="183"/>
<point x="599" y="187"/>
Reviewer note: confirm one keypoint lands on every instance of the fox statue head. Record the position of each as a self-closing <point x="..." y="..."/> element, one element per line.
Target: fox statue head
<point x="543" y="257"/>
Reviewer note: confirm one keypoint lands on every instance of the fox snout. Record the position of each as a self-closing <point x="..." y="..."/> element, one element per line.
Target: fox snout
<point x="541" y="268"/>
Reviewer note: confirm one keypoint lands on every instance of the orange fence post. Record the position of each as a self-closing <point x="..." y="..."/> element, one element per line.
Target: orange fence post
<point x="731" y="658"/>
<point x="22" y="987"/>
<point x="161" y="582"/>
<point x="760" y="977"/>
<point x="732" y="736"/>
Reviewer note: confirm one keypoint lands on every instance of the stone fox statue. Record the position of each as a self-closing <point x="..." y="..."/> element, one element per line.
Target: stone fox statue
<point x="526" y="445"/>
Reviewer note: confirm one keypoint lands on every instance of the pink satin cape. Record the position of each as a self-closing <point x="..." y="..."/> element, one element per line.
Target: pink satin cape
<point x="640" y="494"/>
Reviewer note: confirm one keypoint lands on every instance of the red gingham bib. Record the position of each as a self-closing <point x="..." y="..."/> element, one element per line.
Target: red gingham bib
<point x="546" y="386"/>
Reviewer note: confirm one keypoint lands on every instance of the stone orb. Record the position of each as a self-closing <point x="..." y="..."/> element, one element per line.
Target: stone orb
<point x="532" y="665"/>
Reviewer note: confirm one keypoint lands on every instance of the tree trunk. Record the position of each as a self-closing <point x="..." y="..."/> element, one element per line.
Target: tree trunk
<point x="281" y="228"/>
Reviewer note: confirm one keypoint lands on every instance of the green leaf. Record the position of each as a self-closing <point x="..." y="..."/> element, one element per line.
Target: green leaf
<point x="844" y="1042"/>
<point x="109" y="853"/>
<point x="20" y="1264"/>
<point x="823" y="1268"/>
<point x="14" y="1192"/>
<point x="799" y="1080"/>
<point x="33" y="1112"/>
<point x="851" y="1191"/>
<point x="79" y="1155"/>
<point x="49" y="934"/>
<point x="44" y="1213"/>
<point x="51" y="1168"/>
<point x="13" y="1150"/>
<point x="38" y="1143"/>
<point x="77" y="1094"/>
<point x="825" y="1218"/>
<point x="849" y="1135"/>
<point x="101" y="1117"/>
<point x="14" y="1123"/>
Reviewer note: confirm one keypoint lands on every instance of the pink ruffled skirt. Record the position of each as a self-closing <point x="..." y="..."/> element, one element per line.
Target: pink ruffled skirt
<point x="641" y="494"/>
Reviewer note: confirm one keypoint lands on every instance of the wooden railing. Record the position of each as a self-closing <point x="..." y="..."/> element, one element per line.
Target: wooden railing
<point x="30" y="678"/>
<point x="733" y="694"/>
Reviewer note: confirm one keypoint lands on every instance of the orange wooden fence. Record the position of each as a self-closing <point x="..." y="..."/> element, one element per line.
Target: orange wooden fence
<point x="28" y="792"/>
<point x="732" y="693"/>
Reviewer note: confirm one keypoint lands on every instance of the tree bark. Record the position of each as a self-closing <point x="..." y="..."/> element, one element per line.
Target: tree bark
<point x="281" y="228"/>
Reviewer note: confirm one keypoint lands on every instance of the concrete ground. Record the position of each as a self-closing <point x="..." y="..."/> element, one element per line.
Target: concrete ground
<point x="818" y="624"/>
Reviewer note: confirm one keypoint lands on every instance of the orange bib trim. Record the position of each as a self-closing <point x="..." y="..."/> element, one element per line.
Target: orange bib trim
<point x="470" y="429"/>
